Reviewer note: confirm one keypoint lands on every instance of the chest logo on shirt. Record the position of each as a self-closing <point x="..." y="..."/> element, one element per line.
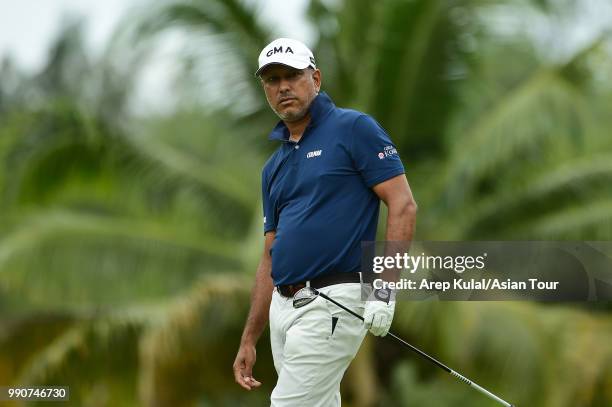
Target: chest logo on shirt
<point x="312" y="154"/>
<point x="388" y="151"/>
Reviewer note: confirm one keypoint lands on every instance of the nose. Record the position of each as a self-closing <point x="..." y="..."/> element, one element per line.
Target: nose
<point x="284" y="85"/>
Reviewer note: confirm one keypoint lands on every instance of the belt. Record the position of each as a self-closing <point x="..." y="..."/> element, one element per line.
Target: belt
<point x="289" y="290"/>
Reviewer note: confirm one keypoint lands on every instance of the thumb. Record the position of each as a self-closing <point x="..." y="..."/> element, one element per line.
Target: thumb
<point x="247" y="371"/>
<point x="247" y="367"/>
<point x="367" y="320"/>
<point x="249" y="361"/>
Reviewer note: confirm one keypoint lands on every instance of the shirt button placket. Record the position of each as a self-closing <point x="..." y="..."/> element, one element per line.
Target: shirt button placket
<point x="295" y="160"/>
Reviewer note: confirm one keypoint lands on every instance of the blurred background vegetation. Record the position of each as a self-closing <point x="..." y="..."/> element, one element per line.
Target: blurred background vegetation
<point x="129" y="240"/>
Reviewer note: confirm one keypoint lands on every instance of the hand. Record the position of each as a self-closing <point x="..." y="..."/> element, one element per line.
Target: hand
<point x="378" y="315"/>
<point x="243" y="367"/>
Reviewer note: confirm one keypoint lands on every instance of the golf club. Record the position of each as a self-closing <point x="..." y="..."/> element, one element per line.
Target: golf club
<point x="308" y="294"/>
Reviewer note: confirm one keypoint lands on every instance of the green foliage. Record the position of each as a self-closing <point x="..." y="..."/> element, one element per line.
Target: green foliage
<point x="519" y="350"/>
<point x="182" y="358"/>
<point x="407" y="390"/>
<point x="393" y="59"/>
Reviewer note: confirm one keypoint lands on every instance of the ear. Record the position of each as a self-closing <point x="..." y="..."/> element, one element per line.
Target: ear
<point x="316" y="77"/>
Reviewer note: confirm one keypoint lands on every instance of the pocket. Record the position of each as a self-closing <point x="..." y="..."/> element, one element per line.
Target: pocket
<point x="334" y="323"/>
<point x="310" y="331"/>
<point x="331" y="320"/>
<point x="323" y="320"/>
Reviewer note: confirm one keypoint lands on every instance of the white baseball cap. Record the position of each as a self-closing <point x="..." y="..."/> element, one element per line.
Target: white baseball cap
<point x="286" y="51"/>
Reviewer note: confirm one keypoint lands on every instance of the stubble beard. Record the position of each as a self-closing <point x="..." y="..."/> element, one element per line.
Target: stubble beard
<point x="290" y="117"/>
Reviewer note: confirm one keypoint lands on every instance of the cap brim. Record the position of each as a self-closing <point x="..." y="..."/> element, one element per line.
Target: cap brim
<point x="292" y="65"/>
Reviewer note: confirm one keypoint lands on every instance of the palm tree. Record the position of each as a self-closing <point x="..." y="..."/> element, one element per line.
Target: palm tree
<point x="103" y="225"/>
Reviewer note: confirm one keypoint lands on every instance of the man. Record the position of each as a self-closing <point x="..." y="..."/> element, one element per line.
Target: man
<point x="321" y="195"/>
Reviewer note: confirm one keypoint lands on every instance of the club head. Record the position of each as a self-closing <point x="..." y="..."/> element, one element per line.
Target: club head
<point x="304" y="297"/>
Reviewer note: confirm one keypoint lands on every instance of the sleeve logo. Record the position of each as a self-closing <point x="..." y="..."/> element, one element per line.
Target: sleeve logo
<point x="387" y="152"/>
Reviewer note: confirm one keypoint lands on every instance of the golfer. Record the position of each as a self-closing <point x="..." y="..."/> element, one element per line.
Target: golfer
<point x="321" y="192"/>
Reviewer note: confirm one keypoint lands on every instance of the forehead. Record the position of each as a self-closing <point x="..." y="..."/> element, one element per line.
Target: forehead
<point x="278" y="69"/>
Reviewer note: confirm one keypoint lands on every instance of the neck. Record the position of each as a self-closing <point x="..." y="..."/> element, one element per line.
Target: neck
<point x="296" y="128"/>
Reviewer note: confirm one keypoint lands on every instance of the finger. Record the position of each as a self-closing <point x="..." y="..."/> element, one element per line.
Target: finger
<point x="239" y="376"/>
<point x="247" y="371"/>
<point x="367" y="320"/>
<point x="241" y="380"/>
<point x="385" y="328"/>
<point x="370" y="325"/>
<point x="377" y="324"/>
<point x="384" y="322"/>
<point x="254" y="382"/>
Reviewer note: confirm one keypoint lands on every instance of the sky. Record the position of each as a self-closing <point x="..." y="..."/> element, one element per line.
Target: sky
<point x="28" y="26"/>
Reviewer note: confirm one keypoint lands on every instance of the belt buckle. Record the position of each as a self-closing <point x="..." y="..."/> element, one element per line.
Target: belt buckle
<point x="294" y="288"/>
<point x="289" y="290"/>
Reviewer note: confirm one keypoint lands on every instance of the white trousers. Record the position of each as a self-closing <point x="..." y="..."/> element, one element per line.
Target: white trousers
<point x="311" y="351"/>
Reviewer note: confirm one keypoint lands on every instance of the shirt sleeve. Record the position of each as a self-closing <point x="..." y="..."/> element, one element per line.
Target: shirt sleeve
<point x="268" y="209"/>
<point x="373" y="153"/>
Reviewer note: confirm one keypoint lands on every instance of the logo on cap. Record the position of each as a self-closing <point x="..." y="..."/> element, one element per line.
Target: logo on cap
<point x="286" y="51"/>
<point x="278" y="49"/>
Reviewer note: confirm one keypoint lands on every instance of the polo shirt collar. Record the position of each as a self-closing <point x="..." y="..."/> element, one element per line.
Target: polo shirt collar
<point x="319" y="108"/>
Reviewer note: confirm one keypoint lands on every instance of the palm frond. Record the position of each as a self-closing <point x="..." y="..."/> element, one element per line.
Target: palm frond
<point x="400" y="72"/>
<point x="542" y="108"/>
<point x="23" y="335"/>
<point x="60" y="258"/>
<point x="570" y="175"/>
<point x="525" y="348"/>
<point x="585" y="220"/>
<point x="97" y="360"/>
<point x="196" y="335"/>
<point x="231" y="36"/>
<point x="212" y="177"/>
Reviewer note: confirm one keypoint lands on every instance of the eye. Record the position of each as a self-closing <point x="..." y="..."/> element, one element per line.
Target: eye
<point x="270" y="80"/>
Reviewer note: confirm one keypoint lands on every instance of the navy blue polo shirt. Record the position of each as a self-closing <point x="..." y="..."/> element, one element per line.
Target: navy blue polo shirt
<point x="317" y="192"/>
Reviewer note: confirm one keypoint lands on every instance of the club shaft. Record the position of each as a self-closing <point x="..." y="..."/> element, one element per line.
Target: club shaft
<point x="353" y="313"/>
<point x="480" y="389"/>
<point x="426" y="356"/>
